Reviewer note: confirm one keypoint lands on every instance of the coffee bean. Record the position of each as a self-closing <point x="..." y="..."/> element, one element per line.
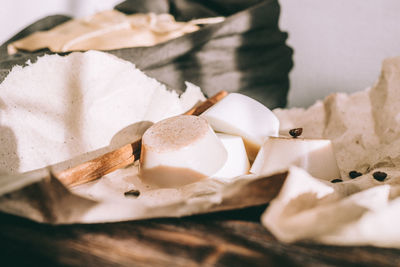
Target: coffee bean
<point x="296" y="132"/>
<point x="336" y="181"/>
<point x="354" y="174"/>
<point x="379" y="176"/>
<point x="132" y="193"/>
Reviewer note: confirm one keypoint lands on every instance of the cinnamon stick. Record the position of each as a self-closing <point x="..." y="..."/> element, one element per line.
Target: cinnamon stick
<point x="121" y="157"/>
<point x="206" y="104"/>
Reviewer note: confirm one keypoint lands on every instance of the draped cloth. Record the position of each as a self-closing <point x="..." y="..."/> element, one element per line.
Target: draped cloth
<point x="245" y="53"/>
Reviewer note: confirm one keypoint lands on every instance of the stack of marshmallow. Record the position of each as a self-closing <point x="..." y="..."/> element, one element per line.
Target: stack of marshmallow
<point x="235" y="137"/>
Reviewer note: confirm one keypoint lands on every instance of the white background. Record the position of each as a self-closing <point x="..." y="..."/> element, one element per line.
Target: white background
<point x="339" y="44"/>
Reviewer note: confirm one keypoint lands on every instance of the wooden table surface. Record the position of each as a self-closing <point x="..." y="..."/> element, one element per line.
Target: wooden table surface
<point x="230" y="238"/>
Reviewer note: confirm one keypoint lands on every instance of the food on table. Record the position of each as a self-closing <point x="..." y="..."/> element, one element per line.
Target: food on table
<point x="296" y="132"/>
<point x="180" y="150"/>
<point x="241" y="115"/>
<point x="237" y="163"/>
<point x="184" y="149"/>
<point x="316" y="156"/>
<point x="354" y="174"/>
<point x="379" y="176"/>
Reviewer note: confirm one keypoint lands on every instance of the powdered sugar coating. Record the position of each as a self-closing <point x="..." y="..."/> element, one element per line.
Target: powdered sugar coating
<point x="175" y="133"/>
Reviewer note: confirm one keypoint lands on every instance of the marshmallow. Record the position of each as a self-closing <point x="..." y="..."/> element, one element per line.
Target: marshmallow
<point x="241" y="115"/>
<point x="237" y="163"/>
<point x="180" y="150"/>
<point x="316" y="156"/>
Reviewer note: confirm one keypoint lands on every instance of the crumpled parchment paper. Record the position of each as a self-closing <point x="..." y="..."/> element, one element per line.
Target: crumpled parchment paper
<point x="365" y="130"/>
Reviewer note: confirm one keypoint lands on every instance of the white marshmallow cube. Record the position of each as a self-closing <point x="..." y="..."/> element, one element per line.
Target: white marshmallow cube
<point x="237" y="163"/>
<point x="316" y="156"/>
<point x="241" y="115"/>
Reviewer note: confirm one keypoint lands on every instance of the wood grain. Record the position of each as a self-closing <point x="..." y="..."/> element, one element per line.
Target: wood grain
<point x="100" y="166"/>
<point x="234" y="238"/>
<point x="121" y="157"/>
<point x="197" y="110"/>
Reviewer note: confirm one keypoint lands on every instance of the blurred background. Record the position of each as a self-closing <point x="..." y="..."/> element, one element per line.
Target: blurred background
<point x="338" y="44"/>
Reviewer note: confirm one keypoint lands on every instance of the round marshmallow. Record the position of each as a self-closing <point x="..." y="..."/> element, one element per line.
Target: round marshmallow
<point x="180" y="150"/>
<point x="241" y="115"/>
<point x="316" y="156"/>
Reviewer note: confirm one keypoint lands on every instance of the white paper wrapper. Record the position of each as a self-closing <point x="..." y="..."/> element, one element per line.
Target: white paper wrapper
<point x="365" y="129"/>
<point x="63" y="107"/>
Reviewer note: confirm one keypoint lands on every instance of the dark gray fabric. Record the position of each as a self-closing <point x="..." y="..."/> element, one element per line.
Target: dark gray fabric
<point x="246" y="53"/>
<point x="7" y="61"/>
